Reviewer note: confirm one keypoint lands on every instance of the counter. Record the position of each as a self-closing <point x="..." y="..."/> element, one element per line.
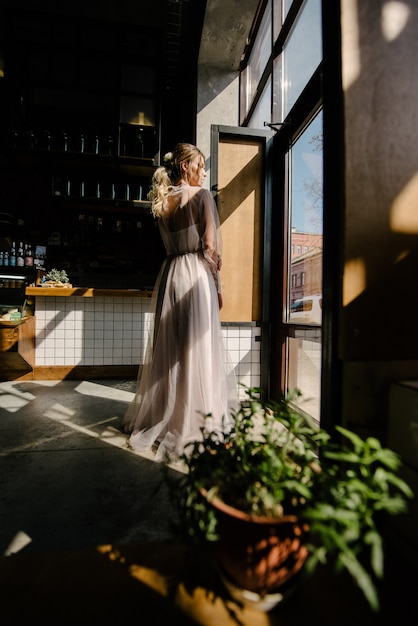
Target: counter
<point x="87" y="292"/>
<point x="89" y="333"/>
<point x="85" y="332"/>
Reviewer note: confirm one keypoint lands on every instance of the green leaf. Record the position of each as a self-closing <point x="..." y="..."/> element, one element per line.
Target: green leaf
<point x="344" y="456"/>
<point x="357" y="441"/>
<point x="374" y="540"/>
<point x="363" y="580"/>
<point x="401" y="485"/>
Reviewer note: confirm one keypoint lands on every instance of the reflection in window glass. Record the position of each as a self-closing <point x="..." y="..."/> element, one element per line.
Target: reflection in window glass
<point x="262" y="112"/>
<point x="300" y="58"/>
<point x="277" y="89"/>
<point x="304" y="369"/>
<point x="306" y="214"/>
<point x="277" y="18"/>
<point x="243" y="95"/>
<point x="286" y="7"/>
<point x="260" y="55"/>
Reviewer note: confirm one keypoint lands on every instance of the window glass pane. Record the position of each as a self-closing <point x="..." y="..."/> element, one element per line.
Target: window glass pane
<point x="277" y="18"/>
<point x="262" y="112"/>
<point x="306" y="226"/>
<point x="304" y="293"/>
<point x="286" y="7"/>
<point x="277" y="90"/>
<point x="301" y="56"/>
<point x="243" y="97"/>
<point x="304" y="369"/>
<point x="259" y="56"/>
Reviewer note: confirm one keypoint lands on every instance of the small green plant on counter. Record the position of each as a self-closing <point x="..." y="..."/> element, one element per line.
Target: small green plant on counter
<point x="58" y="276"/>
<point x="271" y="461"/>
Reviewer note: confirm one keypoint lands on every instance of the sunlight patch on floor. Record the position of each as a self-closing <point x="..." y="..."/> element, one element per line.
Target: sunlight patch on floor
<point x="88" y="388"/>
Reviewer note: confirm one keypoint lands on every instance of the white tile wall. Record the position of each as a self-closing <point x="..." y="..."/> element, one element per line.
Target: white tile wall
<point x="113" y="331"/>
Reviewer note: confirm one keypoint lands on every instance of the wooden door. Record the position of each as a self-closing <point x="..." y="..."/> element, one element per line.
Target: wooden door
<point x="238" y="178"/>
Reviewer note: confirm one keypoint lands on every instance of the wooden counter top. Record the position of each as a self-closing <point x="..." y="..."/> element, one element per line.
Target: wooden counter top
<point x="88" y="292"/>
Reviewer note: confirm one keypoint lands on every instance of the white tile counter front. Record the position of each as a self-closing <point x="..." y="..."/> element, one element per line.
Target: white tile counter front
<point x="106" y="330"/>
<point x="90" y="331"/>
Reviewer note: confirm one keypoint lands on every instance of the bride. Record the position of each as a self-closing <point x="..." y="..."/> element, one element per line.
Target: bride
<point x="186" y="373"/>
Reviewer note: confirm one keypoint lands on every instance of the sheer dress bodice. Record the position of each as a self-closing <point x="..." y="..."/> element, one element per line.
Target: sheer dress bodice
<point x="190" y="223"/>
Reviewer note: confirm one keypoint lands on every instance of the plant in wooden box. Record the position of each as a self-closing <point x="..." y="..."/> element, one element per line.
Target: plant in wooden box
<point x="277" y="496"/>
<point x="56" y="278"/>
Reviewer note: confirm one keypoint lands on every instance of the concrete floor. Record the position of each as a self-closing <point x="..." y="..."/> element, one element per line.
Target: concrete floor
<point x="67" y="478"/>
<point x="69" y="484"/>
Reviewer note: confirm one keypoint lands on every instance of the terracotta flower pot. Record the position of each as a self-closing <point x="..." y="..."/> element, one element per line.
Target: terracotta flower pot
<point x="259" y="554"/>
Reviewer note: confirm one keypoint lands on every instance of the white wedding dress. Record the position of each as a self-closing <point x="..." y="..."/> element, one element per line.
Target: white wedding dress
<point x="186" y="373"/>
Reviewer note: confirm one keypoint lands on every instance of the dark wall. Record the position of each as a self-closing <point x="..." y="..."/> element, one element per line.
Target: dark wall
<point x="179" y="98"/>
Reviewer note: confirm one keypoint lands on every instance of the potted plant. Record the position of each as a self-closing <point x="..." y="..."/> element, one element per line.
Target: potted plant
<point x="312" y="499"/>
<point x="56" y="278"/>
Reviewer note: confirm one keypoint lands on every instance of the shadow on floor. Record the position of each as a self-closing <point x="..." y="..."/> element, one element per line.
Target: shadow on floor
<point x="67" y="478"/>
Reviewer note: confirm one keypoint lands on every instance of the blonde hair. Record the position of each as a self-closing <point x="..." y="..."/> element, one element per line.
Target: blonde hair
<point x="170" y="174"/>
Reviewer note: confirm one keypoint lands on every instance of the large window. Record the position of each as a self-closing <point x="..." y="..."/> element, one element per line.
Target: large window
<point x="287" y="97"/>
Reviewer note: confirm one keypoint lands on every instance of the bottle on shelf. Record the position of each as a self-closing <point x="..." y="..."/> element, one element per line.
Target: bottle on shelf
<point x="62" y="141"/>
<point x="109" y="145"/>
<point x="6" y="259"/>
<point x="45" y="138"/>
<point x="20" y="259"/>
<point x="28" y="255"/>
<point x="138" y="144"/>
<point x="12" y="255"/>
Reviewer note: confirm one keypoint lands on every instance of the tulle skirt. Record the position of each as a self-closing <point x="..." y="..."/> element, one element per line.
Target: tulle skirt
<point x="187" y="373"/>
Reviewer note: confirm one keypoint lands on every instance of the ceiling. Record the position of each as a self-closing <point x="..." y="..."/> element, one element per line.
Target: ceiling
<point x="218" y="28"/>
<point x="175" y="20"/>
<point x="209" y="32"/>
<point x="225" y="29"/>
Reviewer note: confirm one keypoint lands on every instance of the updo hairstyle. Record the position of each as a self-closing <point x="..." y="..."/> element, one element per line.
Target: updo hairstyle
<point x="170" y="173"/>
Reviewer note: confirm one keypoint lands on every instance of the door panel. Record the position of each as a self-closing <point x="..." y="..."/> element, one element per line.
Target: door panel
<point x="238" y="178"/>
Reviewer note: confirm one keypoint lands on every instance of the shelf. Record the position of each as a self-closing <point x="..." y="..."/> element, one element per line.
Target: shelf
<point x="6" y="275"/>
<point x="79" y="139"/>
<point x="88" y="292"/>
<point x="105" y="205"/>
<point x="17" y="345"/>
<point x="13" y="281"/>
<point x="13" y="323"/>
<point x="56" y="160"/>
<point x="13" y="271"/>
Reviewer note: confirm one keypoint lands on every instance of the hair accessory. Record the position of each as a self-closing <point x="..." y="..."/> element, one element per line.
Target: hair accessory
<point x="168" y="157"/>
